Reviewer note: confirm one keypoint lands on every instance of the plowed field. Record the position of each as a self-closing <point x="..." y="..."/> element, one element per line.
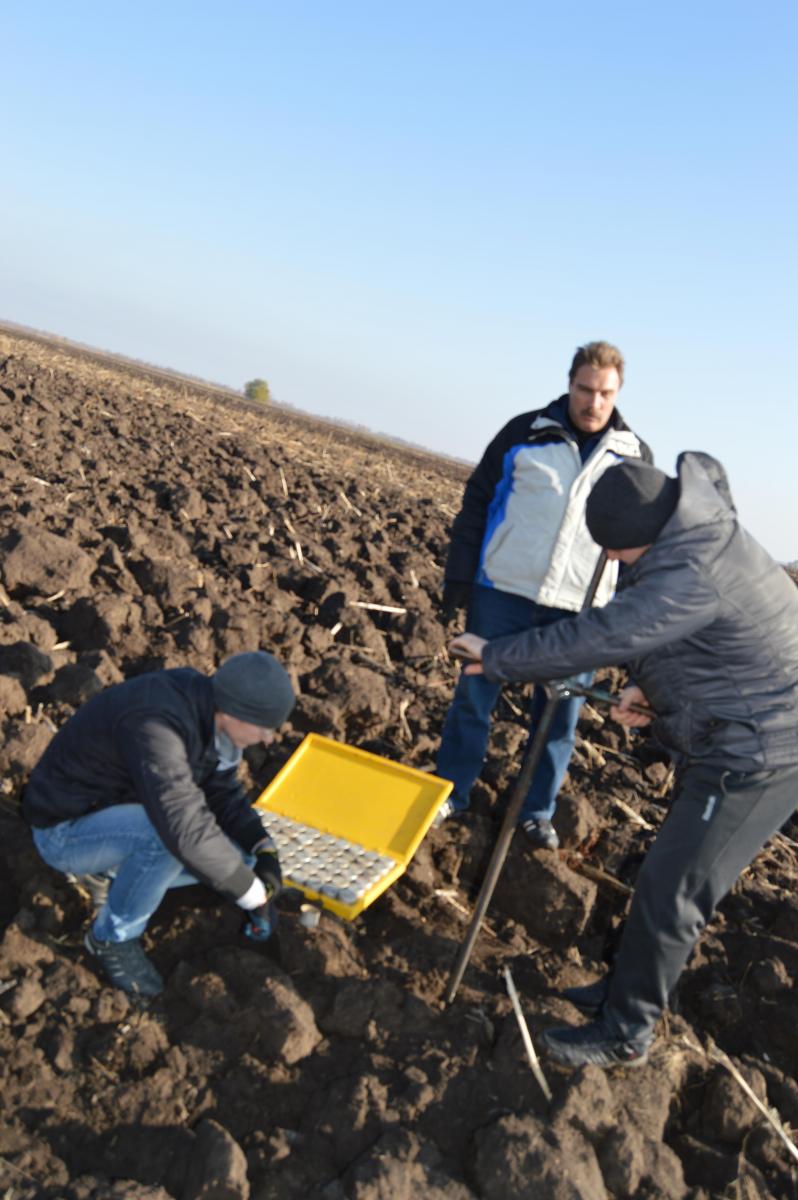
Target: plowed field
<point x="148" y="523"/>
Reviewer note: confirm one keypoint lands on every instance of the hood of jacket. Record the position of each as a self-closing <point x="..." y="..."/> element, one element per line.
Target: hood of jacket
<point x="707" y="624"/>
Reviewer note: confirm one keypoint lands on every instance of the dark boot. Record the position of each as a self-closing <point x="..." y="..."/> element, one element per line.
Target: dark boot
<point x="595" y="1043"/>
<point x="540" y="833"/>
<point x="126" y="965"/>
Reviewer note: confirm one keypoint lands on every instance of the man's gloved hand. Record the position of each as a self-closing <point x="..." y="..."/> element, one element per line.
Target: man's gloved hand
<point x="455" y="595"/>
<point x="267" y="869"/>
<point x="260" y="924"/>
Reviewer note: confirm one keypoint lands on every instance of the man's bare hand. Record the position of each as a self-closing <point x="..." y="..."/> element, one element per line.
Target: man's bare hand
<point x="468" y="647"/>
<point x="622" y="713"/>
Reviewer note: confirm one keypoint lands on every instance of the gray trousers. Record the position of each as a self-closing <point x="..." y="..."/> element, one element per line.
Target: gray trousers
<point x="718" y="822"/>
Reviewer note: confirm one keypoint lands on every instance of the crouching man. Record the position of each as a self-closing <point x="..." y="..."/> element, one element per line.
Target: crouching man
<point x="140" y="789"/>
<point x="707" y="624"/>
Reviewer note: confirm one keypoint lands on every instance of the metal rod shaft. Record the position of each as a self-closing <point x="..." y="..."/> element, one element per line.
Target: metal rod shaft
<point x="567" y="688"/>
<point x="518" y="795"/>
<point x="502" y="845"/>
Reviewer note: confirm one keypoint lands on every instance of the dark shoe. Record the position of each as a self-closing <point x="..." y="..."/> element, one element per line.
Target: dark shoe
<point x="540" y="833"/>
<point x="590" y="998"/>
<point x="126" y="965"/>
<point x="594" y="1043"/>
<point x="448" y="809"/>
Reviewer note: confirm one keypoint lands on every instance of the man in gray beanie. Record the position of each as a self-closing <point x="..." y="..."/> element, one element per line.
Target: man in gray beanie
<point x="629" y="505"/>
<point x="138" y="793"/>
<point x="707" y="625"/>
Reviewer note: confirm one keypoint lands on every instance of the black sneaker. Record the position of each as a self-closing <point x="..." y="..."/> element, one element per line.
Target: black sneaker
<point x="589" y="998"/>
<point x="447" y="810"/>
<point x="594" y="1043"/>
<point x="126" y="965"/>
<point x="540" y="833"/>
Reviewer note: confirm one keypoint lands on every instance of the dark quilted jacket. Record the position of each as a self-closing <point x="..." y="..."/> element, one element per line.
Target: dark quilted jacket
<point x="150" y="741"/>
<point x="707" y="624"/>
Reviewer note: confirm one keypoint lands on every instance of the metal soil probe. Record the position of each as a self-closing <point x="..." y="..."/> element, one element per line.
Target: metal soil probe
<point x="514" y="806"/>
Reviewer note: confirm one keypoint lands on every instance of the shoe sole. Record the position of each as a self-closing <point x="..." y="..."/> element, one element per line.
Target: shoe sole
<point x="632" y="1064"/>
<point x="556" y="1051"/>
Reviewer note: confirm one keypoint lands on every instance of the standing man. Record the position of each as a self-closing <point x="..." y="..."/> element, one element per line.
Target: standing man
<point x="707" y="623"/>
<point x="521" y="556"/>
<point x="140" y="787"/>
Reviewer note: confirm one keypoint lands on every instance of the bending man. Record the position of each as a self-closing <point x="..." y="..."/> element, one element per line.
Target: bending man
<point x="140" y="787"/>
<point x="707" y="624"/>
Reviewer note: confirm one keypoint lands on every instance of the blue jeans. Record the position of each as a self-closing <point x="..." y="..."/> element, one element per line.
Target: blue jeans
<point x="120" y="841"/>
<point x="464" y="741"/>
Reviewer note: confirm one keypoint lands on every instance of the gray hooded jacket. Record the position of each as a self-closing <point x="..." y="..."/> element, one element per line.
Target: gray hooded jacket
<point x="707" y="624"/>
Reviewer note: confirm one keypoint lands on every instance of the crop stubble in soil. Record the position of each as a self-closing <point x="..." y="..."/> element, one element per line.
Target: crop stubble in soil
<point x="148" y="524"/>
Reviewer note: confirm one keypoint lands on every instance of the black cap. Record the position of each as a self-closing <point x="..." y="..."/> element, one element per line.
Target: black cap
<point x="254" y="687"/>
<point x="630" y="504"/>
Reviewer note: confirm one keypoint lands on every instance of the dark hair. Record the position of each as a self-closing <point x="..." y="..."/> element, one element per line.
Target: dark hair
<point x="597" y="354"/>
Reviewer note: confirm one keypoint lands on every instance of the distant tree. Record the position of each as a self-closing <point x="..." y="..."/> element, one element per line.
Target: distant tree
<point x="258" y="389"/>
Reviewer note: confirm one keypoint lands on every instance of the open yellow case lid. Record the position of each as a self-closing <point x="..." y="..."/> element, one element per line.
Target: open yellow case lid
<point x="369" y="801"/>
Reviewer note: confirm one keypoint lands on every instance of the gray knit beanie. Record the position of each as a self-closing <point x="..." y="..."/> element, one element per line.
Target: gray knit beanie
<point x="254" y="687"/>
<point x="630" y="504"/>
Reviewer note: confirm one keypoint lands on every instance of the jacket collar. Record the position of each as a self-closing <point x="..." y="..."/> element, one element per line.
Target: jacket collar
<point x="557" y="413"/>
<point x="552" y="419"/>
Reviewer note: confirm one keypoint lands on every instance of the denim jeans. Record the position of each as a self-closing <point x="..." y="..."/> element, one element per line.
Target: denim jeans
<point x="120" y="841"/>
<point x="464" y="741"/>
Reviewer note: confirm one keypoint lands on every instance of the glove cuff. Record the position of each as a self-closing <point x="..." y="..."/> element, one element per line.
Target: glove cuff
<point x="254" y="896"/>
<point x="266" y="845"/>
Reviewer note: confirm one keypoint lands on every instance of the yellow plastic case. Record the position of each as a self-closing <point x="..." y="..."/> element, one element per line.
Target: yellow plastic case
<point x="370" y="802"/>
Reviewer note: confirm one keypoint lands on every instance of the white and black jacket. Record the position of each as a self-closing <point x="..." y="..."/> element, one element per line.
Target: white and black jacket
<point x="521" y="527"/>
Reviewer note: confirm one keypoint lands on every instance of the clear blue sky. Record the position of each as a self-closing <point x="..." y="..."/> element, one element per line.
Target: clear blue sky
<point x="409" y="215"/>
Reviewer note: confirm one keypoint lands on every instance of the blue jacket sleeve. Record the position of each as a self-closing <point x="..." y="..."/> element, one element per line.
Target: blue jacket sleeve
<point x="468" y="528"/>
